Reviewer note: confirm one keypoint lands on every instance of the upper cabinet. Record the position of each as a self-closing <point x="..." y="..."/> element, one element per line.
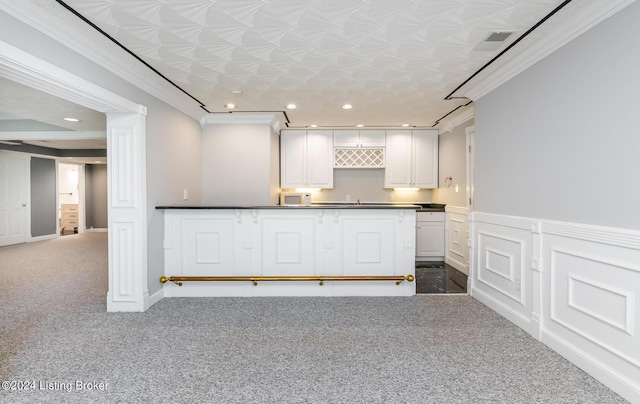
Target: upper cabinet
<point x="358" y="138"/>
<point x="306" y="159"/>
<point x="412" y="159"/>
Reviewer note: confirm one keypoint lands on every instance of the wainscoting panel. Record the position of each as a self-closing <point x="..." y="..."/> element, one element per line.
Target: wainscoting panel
<point x="591" y="301"/>
<point x="456" y="238"/>
<point x="211" y="251"/>
<point x="575" y="287"/>
<point x="288" y="246"/>
<point x="503" y="274"/>
<point x="368" y="245"/>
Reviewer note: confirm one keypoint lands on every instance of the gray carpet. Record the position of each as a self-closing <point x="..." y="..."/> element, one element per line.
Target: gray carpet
<point x="424" y="349"/>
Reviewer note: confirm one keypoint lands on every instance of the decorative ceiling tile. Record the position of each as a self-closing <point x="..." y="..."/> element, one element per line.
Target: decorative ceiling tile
<point x="395" y="60"/>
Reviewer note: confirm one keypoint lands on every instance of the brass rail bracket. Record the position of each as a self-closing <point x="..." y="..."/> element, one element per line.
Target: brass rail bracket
<point x="255" y="279"/>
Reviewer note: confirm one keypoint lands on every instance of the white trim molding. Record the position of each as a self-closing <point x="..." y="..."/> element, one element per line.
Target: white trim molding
<point x="456" y="244"/>
<point x="242" y="119"/>
<point x="466" y="115"/>
<point x="62" y="26"/>
<point x="588" y="17"/>
<point x="581" y="289"/>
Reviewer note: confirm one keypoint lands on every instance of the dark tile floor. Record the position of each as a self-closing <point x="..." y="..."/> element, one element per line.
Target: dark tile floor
<point x="438" y="277"/>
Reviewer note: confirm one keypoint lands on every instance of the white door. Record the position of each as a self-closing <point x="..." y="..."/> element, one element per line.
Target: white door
<point x="14" y="181"/>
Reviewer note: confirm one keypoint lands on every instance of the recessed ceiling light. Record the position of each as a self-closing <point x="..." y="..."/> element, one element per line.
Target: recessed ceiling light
<point x="406" y="125"/>
<point x="313" y="125"/>
<point x="236" y="92"/>
<point x="291" y="106"/>
<point x="360" y="125"/>
<point x="347" y="106"/>
<point x="230" y="106"/>
<point x="71" y="119"/>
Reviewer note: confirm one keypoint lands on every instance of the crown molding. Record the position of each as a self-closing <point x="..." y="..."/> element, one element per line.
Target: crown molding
<point x="241" y="119"/>
<point x="101" y="53"/>
<point x="31" y="71"/>
<point x="585" y="19"/>
<point x="464" y="116"/>
<point x="53" y="135"/>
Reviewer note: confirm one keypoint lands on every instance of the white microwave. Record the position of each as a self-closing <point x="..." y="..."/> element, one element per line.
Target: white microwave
<point x="295" y="198"/>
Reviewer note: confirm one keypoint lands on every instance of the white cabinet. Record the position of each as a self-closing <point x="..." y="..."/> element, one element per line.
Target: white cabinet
<point x="430" y="234"/>
<point x="358" y="138"/>
<point x="412" y="159"/>
<point x="306" y="159"/>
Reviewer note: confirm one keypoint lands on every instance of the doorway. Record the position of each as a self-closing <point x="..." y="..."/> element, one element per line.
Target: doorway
<point x="126" y="133"/>
<point x="68" y="198"/>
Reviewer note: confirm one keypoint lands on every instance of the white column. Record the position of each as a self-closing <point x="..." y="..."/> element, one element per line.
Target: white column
<point x="126" y="165"/>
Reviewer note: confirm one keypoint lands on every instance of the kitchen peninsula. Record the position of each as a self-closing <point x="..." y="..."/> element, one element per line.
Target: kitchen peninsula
<point x="340" y="250"/>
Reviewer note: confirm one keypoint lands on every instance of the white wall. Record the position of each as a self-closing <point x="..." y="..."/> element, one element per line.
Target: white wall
<point x="238" y="164"/>
<point x="67" y="183"/>
<point x="556" y="240"/>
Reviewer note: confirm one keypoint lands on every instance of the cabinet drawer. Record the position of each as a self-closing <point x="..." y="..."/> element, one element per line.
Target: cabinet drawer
<point x="430" y="217"/>
<point x="69" y="207"/>
<point x="69" y="223"/>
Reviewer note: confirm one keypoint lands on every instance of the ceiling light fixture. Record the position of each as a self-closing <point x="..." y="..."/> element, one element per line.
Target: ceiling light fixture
<point x="236" y="92"/>
<point x="230" y="106"/>
<point x="347" y="106"/>
<point x="71" y="119"/>
<point x="291" y="106"/>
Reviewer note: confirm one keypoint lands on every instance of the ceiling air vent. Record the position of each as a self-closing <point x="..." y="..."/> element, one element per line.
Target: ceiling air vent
<point x="493" y="41"/>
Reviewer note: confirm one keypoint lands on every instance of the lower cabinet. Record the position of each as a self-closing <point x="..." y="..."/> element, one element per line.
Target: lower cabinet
<point x="430" y="234"/>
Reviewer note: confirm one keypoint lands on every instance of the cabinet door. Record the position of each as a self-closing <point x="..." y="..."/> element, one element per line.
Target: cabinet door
<point x="397" y="172"/>
<point x="372" y="138"/>
<point x="293" y="156"/>
<point x="425" y="158"/>
<point x="430" y="239"/>
<point x="346" y="138"/>
<point x="320" y="159"/>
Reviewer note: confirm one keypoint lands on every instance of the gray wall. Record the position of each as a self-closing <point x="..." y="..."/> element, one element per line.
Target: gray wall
<point x="452" y="161"/>
<point x="561" y="141"/>
<point x="95" y="196"/>
<point x="173" y="138"/>
<point x="367" y="185"/>
<point x="44" y="213"/>
<point x="238" y="164"/>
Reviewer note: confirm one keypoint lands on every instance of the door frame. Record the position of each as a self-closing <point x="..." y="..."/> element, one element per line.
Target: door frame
<point x="126" y="175"/>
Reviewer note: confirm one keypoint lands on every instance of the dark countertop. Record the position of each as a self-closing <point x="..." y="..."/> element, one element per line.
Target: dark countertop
<point x="426" y="207"/>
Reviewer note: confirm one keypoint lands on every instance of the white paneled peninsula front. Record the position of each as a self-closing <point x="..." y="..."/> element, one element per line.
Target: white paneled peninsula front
<point x="337" y="246"/>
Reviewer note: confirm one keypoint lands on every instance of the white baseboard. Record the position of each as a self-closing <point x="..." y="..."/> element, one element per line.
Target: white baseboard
<point x="42" y="238"/>
<point x="604" y="374"/>
<point x="505" y="311"/>
<point x="97" y="230"/>
<point x="154" y="298"/>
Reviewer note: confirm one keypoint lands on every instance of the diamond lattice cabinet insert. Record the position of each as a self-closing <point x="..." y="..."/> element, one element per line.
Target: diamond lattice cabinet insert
<point x="394" y="60"/>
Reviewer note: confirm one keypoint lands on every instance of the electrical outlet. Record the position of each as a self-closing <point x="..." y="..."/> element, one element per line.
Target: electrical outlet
<point x="390" y="197"/>
<point x="348" y="197"/>
<point x="185" y="194"/>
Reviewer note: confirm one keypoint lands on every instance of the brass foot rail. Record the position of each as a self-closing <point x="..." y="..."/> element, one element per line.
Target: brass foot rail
<point x="255" y="279"/>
